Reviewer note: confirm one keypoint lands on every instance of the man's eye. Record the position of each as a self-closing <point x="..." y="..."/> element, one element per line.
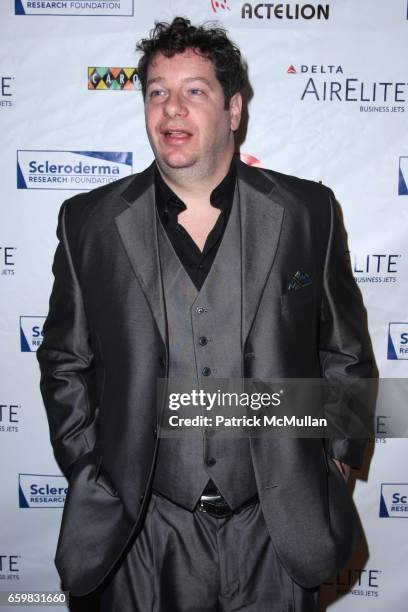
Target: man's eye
<point x="155" y="92"/>
<point x="196" y="92"/>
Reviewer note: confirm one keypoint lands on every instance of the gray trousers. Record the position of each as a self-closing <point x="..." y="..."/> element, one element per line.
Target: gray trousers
<point x="191" y="562"/>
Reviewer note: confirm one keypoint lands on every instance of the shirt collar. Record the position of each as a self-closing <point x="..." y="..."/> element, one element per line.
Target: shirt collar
<point x="221" y="197"/>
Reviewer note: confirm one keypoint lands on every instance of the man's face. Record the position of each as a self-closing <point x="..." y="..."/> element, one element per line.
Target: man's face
<point x="186" y="122"/>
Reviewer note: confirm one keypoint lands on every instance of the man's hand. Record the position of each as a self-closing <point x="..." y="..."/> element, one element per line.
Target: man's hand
<point x="343" y="468"/>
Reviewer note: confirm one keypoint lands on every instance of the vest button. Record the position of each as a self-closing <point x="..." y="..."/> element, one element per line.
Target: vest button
<point x="161" y="362"/>
<point x="206" y="371"/>
<point x="201" y="310"/>
<point x="211" y="461"/>
<point x="202" y="341"/>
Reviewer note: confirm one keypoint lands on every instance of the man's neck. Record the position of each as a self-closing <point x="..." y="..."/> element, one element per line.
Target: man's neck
<point x="192" y="188"/>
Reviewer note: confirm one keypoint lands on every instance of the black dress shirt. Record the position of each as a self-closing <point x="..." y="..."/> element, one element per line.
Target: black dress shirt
<point x="196" y="263"/>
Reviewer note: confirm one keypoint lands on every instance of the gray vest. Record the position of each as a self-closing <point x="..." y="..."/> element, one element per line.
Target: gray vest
<point x="204" y="331"/>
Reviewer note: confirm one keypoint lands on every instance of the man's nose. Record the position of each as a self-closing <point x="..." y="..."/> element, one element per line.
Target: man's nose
<point x="175" y="105"/>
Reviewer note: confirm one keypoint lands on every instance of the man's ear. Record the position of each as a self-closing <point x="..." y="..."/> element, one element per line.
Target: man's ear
<point x="235" y="110"/>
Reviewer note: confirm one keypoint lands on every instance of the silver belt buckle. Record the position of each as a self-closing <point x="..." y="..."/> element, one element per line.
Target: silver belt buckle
<point x="211" y="498"/>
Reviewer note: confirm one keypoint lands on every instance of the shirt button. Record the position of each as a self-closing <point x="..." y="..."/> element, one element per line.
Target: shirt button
<point x="201" y="309"/>
<point x="211" y="461"/>
<point x="206" y="371"/>
<point x="202" y="341"/>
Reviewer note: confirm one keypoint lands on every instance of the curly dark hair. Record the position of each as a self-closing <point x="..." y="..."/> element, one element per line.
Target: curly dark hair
<point x="210" y="42"/>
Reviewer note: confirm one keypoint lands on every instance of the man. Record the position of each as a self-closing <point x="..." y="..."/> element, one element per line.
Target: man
<point x="198" y="267"/>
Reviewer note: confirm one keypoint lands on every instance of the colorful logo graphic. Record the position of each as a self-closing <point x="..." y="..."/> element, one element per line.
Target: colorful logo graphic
<point x="79" y="170"/>
<point x="41" y="491"/>
<point x="397" y="341"/>
<point x="403" y="176"/>
<point x="31" y="333"/>
<point x="222" y="5"/>
<point x="122" y="79"/>
<point x="394" y="500"/>
<point x="73" y="8"/>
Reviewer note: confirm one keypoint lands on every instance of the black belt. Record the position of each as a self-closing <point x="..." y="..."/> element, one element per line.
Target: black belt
<point x="216" y="506"/>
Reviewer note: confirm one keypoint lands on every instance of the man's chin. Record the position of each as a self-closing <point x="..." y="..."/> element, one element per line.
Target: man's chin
<point x="177" y="163"/>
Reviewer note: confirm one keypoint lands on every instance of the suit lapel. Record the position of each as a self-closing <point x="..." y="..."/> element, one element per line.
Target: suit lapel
<point x="137" y="227"/>
<point x="261" y="222"/>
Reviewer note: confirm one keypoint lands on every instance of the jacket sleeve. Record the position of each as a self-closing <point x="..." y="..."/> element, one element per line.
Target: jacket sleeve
<point x="346" y="357"/>
<point x="66" y="361"/>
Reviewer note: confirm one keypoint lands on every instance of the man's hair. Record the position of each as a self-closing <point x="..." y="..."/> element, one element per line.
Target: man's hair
<point x="210" y="42"/>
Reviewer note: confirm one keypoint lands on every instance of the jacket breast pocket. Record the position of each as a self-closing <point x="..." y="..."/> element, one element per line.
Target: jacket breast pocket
<point x="297" y="298"/>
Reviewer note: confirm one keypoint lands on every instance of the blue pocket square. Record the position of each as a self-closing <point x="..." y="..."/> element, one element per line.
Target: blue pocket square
<point x="299" y="280"/>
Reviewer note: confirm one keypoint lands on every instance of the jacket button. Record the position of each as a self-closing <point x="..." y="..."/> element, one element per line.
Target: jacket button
<point x="141" y="499"/>
<point x="161" y="362"/>
<point x="202" y="341"/>
<point x="155" y="431"/>
<point x="201" y="309"/>
<point x="206" y="371"/>
<point x="211" y="461"/>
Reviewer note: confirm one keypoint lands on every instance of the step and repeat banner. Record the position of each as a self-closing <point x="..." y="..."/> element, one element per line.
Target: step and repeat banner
<point x="330" y="103"/>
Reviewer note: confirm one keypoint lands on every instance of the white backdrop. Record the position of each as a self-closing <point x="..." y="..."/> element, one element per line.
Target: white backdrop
<point x="330" y="103"/>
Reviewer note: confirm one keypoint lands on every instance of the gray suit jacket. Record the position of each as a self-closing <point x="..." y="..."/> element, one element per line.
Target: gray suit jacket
<point x="105" y="344"/>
